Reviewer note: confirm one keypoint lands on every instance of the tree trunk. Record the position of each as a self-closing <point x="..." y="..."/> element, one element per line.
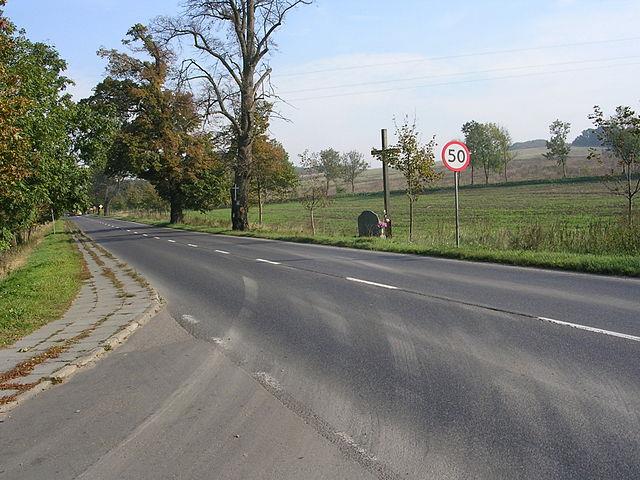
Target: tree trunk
<point x="486" y="175"/>
<point x="411" y="219"/>
<point x="259" y="206"/>
<point x="353" y="187"/>
<point x="177" y="213"/>
<point x="471" y="174"/>
<point x="506" y="180"/>
<point x="327" y="191"/>
<point x="240" y="206"/>
<point x="564" y="170"/>
<point x="313" y="223"/>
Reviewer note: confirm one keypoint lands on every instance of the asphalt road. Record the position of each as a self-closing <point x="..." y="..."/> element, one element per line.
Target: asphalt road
<point x="399" y="366"/>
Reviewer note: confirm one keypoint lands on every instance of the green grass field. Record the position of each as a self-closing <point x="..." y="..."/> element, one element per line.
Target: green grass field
<point x="42" y="290"/>
<point x="573" y="224"/>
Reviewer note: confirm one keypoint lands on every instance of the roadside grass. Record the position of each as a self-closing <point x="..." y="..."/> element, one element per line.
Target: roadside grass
<point x="17" y="256"/>
<point x="42" y="290"/>
<point x="571" y="225"/>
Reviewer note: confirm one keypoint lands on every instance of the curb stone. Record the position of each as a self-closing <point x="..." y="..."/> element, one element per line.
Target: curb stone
<point x="115" y="272"/>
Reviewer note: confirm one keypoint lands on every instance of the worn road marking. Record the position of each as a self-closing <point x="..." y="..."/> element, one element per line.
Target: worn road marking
<point x="262" y="260"/>
<point x="192" y="245"/>
<point x="591" y="329"/>
<point x="171" y="241"/>
<point x="190" y="319"/>
<point x="381" y="285"/>
<point x="222" y="252"/>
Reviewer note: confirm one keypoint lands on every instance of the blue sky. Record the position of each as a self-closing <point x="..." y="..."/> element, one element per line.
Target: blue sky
<point x="379" y="46"/>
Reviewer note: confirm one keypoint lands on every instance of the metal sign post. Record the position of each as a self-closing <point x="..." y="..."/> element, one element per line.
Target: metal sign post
<point x="456" y="157"/>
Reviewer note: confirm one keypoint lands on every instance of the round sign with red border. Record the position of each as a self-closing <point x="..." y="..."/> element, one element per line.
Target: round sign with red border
<point x="456" y="156"/>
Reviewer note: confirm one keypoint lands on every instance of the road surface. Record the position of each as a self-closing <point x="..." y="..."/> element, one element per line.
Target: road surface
<point x="382" y="365"/>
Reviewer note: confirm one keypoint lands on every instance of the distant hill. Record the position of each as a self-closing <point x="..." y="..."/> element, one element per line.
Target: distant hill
<point x="529" y="144"/>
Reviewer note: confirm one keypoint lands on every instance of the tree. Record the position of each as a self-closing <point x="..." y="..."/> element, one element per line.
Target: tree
<point x="231" y="40"/>
<point x="329" y="164"/>
<point x="503" y="139"/>
<point x="39" y="176"/>
<point x="162" y="141"/>
<point x="313" y="194"/>
<point x="273" y="173"/>
<point x="416" y="162"/>
<point x="620" y="134"/>
<point x="353" y="165"/>
<point x="557" y="147"/>
<point x="589" y="138"/>
<point x="483" y="139"/>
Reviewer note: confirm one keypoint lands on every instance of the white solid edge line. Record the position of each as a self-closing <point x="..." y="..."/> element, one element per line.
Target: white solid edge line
<point x="222" y="252"/>
<point x="591" y="329"/>
<point x="171" y="241"/>
<point x="192" y="245"/>
<point x="262" y="260"/>
<point x="381" y="285"/>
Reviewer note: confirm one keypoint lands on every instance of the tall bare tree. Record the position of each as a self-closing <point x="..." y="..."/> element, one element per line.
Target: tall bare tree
<point x="231" y="40"/>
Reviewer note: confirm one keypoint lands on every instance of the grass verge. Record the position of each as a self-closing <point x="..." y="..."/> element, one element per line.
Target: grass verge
<point x="623" y="265"/>
<point x="42" y="290"/>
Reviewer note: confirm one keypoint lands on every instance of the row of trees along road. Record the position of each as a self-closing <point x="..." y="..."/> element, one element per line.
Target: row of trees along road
<point x="39" y="174"/>
<point x="145" y="123"/>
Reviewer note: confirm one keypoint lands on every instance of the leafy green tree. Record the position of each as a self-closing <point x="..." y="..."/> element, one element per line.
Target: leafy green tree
<point x="484" y="141"/>
<point x="353" y="165"/>
<point x="557" y="147"/>
<point x="620" y="134"/>
<point x="416" y="162"/>
<point x="39" y="176"/>
<point x="273" y="173"/>
<point x="163" y="142"/>
<point x="329" y="164"/>
<point x="503" y="142"/>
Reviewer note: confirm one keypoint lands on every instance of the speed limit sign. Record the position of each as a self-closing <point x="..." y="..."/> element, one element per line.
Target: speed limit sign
<point x="456" y="156"/>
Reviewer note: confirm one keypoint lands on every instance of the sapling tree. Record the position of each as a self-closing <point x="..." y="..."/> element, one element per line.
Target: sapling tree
<point x="313" y="193"/>
<point x="416" y="162"/>
<point x="620" y="134"/>
<point x="558" y="148"/>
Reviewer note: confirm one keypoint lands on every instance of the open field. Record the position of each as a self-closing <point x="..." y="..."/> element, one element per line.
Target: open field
<point x="528" y="165"/>
<point x="514" y="223"/>
<point x="41" y="290"/>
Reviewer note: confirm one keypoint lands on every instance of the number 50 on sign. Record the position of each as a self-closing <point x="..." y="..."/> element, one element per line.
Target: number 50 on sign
<point x="456" y="156"/>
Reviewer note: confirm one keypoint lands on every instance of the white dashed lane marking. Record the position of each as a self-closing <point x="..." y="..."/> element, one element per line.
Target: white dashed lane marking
<point x="591" y="329"/>
<point x="222" y="252"/>
<point x="192" y="245"/>
<point x="262" y="260"/>
<point x="374" y="284"/>
<point x="171" y="241"/>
